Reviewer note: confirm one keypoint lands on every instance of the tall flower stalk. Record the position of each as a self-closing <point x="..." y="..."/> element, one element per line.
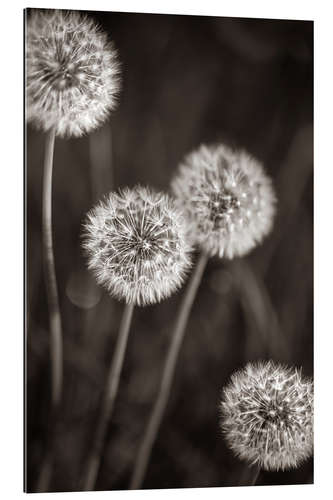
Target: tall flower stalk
<point x="168" y="375"/>
<point x="72" y="79"/>
<point x="50" y="275"/>
<point x="229" y="204"/>
<point x="137" y="249"/>
<point x="111" y="390"/>
<point x="56" y="337"/>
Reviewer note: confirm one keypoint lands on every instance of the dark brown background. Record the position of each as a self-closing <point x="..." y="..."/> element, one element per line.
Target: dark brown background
<point x="186" y="80"/>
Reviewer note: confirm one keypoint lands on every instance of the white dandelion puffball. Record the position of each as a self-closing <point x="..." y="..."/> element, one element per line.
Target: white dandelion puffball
<point x="72" y="73"/>
<point x="228" y="199"/>
<point x="137" y="246"/>
<point x="267" y="416"/>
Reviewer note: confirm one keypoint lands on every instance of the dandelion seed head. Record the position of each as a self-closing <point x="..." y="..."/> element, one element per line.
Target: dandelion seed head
<point x="137" y="246"/>
<point x="72" y="72"/>
<point x="228" y="199"/>
<point x="267" y="416"/>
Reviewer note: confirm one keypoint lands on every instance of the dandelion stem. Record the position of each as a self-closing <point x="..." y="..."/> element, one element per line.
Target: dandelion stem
<point x="50" y="274"/>
<point x="249" y="475"/>
<point x="56" y="350"/>
<point x="112" y="384"/>
<point x="167" y="377"/>
<point x="255" y="476"/>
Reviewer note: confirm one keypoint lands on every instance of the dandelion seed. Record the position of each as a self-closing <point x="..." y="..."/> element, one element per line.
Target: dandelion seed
<point x="220" y="191"/>
<point x="267" y="416"/>
<point x="137" y="246"/>
<point x="72" y="72"/>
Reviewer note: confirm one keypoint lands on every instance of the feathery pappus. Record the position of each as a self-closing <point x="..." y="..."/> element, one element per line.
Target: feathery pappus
<point x="228" y="199"/>
<point x="267" y="415"/>
<point x="72" y="72"/>
<point x="136" y="245"/>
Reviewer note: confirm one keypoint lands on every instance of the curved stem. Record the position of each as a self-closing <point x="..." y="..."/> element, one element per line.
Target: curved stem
<point x="50" y="274"/>
<point x="112" y="384"/>
<point x="167" y="377"/>
<point x="56" y="341"/>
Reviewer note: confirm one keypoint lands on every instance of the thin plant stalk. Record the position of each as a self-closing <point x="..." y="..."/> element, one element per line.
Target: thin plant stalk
<point x="50" y="275"/>
<point x="112" y="384"/>
<point x="248" y="475"/>
<point x="167" y="376"/>
<point x="255" y="476"/>
<point x="56" y="339"/>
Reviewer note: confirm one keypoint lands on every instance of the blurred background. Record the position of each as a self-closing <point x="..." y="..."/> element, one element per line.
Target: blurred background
<point x="185" y="80"/>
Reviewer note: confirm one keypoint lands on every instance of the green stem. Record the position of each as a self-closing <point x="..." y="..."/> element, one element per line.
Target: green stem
<point x="112" y="384"/>
<point x="168" y="374"/>
<point x="56" y="340"/>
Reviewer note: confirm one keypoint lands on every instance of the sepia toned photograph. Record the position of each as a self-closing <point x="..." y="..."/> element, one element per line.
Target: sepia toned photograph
<point x="168" y="251"/>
